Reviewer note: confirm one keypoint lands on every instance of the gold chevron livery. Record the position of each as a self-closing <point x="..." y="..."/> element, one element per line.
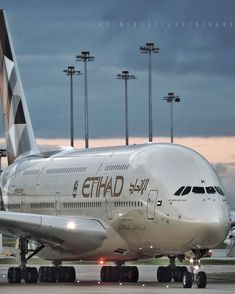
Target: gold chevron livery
<point x="18" y="129"/>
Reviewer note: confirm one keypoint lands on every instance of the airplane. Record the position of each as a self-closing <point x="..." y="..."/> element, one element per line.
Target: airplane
<point x="230" y="239"/>
<point x="118" y="204"/>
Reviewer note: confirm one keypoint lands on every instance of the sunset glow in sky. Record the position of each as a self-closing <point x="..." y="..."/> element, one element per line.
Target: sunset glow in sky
<point x="214" y="149"/>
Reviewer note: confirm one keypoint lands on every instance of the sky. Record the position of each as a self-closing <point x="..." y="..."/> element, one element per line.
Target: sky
<point x="197" y="45"/>
<point x="196" y="62"/>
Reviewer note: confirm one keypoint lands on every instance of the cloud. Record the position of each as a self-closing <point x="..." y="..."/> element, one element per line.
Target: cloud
<point x="196" y="61"/>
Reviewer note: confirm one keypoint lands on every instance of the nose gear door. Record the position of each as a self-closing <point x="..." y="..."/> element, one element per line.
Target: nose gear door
<point x="151" y="205"/>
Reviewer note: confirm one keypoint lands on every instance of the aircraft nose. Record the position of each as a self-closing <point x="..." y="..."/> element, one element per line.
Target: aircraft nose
<point x="215" y="226"/>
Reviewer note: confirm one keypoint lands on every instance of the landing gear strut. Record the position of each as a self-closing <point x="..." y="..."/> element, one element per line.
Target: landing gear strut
<point x="195" y="276"/>
<point x="28" y="274"/>
<point x="165" y="274"/>
<point x="181" y="273"/>
<point x="50" y="274"/>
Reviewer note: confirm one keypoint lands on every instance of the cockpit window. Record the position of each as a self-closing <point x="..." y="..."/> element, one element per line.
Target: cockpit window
<point x="186" y="191"/>
<point x="219" y="190"/>
<point x="210" y="190"/>
<point x="179" y="191"/>
<point x="198" y="190"/>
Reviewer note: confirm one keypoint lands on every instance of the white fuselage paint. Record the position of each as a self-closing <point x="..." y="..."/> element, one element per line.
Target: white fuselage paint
<point x="131" y="190"/>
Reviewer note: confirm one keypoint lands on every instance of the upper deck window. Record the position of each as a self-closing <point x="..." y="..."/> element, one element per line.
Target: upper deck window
<point x="198" y="190"/>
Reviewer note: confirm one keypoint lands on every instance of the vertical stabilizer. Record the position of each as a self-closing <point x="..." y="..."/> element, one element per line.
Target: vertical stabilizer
<point x="18" y="129"/>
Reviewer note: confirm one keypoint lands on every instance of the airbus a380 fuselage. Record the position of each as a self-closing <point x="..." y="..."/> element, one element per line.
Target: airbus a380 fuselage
<point x="131" y="190"/>
<point x="109" y="204"/>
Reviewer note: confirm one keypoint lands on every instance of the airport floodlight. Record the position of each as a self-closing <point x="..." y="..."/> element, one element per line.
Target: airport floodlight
<point x="85" y="56"/>
<point x="126" y="76"/>
<point x="171" y="97"/>
<point x="70" y="71"/>
<point x="150" y="48"/>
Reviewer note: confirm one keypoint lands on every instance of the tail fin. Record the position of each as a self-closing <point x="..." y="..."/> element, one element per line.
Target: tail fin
<point x="18" y="129"/>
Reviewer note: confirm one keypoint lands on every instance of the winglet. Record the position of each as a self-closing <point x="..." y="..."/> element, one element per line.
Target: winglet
<point x="18" y="128"/>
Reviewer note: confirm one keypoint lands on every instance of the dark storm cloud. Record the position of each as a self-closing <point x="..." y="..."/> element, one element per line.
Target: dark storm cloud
<point x="196" y="61"/>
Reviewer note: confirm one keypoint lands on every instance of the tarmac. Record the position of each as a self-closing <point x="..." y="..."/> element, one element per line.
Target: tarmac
<point x="221" y="279"/>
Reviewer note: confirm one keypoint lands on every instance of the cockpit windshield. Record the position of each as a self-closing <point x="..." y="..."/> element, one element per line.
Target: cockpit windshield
<point x="184" y="190"/>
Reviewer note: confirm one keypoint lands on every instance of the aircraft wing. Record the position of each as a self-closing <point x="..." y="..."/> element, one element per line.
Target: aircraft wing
<point x="75" y="234"/>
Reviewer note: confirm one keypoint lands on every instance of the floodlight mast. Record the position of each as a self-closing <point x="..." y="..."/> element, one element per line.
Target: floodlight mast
<point x="70" y="71"/>
<point x="171" y="97"/>
<point x="149" y="48"/>
<point x="126" y="76"/>
<point x="85" y="56"/>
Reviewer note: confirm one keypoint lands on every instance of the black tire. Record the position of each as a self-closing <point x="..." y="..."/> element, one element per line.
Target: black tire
<point x="72" y="274"/>
<point x="201" y="280"/>
<point x="115" y="274"/>
<point x="160" y="274"/>
<point x="42" y="274"/>
<point x="164" y="274"/>
<point x="31" y="275"/>
<point x="52" y="274"/>
<point x="167" y="274"/>
<point x="10" y="275"/>
<point x="103" y="274"/>
<point x="177" y="275"/>
<point x="66" y="272"/>
<point x="124" y="274"/>
<point x="187" y="280"/>
<point x="14" y="275"/>
<point x="60" y="274"/>
<point x="135" y="272"/>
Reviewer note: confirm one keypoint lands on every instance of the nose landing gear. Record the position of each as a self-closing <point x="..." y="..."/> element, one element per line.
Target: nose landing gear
<point x="195" y="276"/>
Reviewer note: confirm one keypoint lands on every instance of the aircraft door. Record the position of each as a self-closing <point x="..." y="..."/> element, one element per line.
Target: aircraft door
<point x="57" y="203"/>
<point x="151" y="205"/>
<point x="108" y="206"/>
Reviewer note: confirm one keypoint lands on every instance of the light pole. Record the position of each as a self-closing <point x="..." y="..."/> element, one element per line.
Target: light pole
<point x="85" y="56"/>
<point x="126" y="76"/>
<point x="171" y="97"/>
<point x="70" y="71"/>
<point x="149" y="48"/>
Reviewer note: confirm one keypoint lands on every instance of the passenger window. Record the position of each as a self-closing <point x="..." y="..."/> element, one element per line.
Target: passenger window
<point x="210" y="190"/>
<point x="186" y="190"/>
<point x="198" y="190"/>
<point x="179" y="191"/>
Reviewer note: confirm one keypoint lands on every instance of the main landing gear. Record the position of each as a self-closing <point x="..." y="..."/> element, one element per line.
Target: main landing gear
<point x="50" y="274"/>
<point x="119" y="274"/>
<point x="166" y="273"/>
<point x="181" y="274"/>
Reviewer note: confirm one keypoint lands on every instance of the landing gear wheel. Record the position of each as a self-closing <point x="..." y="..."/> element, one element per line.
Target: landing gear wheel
<point x="177" y="274"/>
<point x="135" y="272"/>
<point x="201" y="280"/>
<point x="42" y="274"/>
<point x="66" y="274"/>
<point x="51" y="274"/>
<point x="30" y="275"/>
<point x="119" y="273"/>
<point x="14" y="275"/>
<point x="187" y="280"/>
<point x="164" y="274"/>
<point x="160" y="274"/>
